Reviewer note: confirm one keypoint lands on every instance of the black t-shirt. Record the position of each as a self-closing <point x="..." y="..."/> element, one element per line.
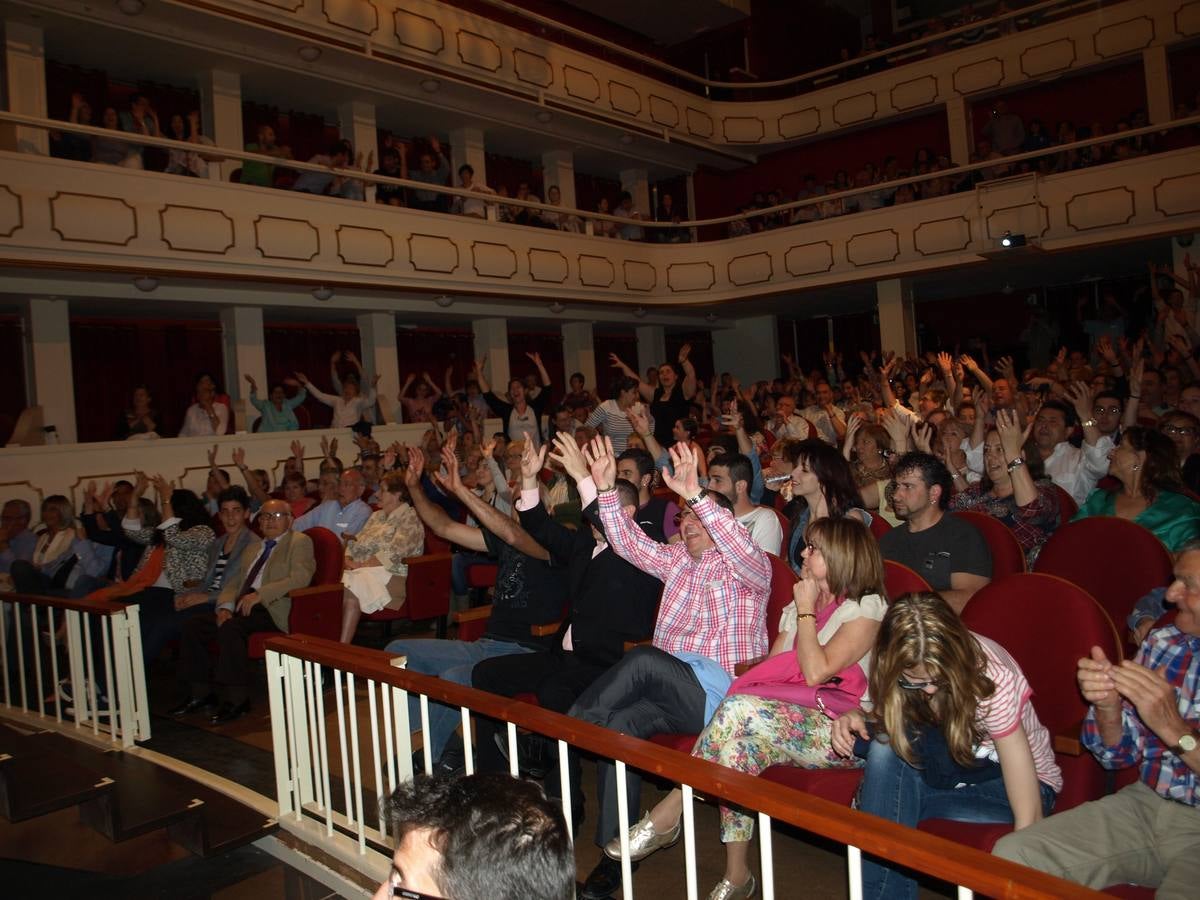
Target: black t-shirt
<point x="528" y="592"/>
<point x="951" y="545"/>
<point x="667" y="412"/>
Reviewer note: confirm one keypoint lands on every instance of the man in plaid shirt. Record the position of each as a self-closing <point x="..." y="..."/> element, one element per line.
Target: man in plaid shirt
<point x="1144" y="712"/>
<point x="712" y="616"/>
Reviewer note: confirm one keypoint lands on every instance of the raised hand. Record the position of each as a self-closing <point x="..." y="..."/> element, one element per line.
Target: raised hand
<point x="639" y="418"/>
<point x="946" y="364"/>
<point x="253" y="384"/>
<point x="140" y="483"/>
<point x="298" y="451"/>
<point x="1007" y="370"/>
<point x="1104" y="347"/>
<point x="1080" y="396"/>
<point x="532" y="460"/>
<point x="1012" y="435"/>
<point x="568" y="455"/>
<point x="448" y="476"/>
<point x="535" y="358"/>
<point x="685" y="480"/>
<point x="615" y="361"/>
<point x="336" y="358"/>
<point x="162" y="486"/>
<point x="301" y="377"/>
<point x="389" y="458"/>
<point x="922" y="433"/>
<point x="239" y="457"/>
<point x="983" y="404"/>
<point x="684" y="351"/>
<point x="416" y="465"/>
<point x="212" y="457"/>
<point x="896" y="428"/>
<point x="601" y="462"/>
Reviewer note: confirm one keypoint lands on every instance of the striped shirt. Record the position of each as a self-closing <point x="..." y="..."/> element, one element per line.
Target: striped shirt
<point x="1009" y="706"/>
<point x="614" y="423"/>
<point x="716" y="605"/>
<point x="1176" y="655"/>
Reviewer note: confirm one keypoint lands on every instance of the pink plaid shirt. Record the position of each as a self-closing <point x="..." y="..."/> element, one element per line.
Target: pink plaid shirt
<point x="716" y="605"/>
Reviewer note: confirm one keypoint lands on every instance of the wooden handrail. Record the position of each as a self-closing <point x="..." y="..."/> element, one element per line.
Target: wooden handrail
<point x="103" y="607"/>
<point x="955" y="863"/>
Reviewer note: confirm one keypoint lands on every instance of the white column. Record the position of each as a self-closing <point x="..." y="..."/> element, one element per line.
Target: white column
<point x="48" y="352"/>
<point x="897" y="326"/>
<point x="958" y="121"/>
<point x="651" y="348"/>
<point x="244" y="353"/>
<point x="491" y="341"/>
<point x="579" y="354"/>
<point x="25" y="92"/>
<point x="558" y="168"/>
<point x="221" y="117"/>
<point x="377" y="341"/>
<point x="466" y="147"/>
<point x="356" y="123"/>
<point x="637" y="182"/>
<point x="750" y="348"/>
<point x="1160" y="108"/>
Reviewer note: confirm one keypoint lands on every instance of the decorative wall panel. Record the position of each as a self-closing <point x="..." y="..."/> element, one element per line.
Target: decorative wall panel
<point x="493" y="260"/>
<point x="365" y="246"/>
<point x="691" y="276"/>
<point x="418" y="32"/>
<point x="196" y="229"/>
<point x="432" y="253"/>
<point x="1101" y="209"/>
<point x="548" y="266"/>
<point x="96" y="220"/>
<point x="279" y="238"/>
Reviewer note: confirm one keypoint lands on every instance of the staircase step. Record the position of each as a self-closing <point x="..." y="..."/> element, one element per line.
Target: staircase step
<point x="147" y="796"/>
<point x="35" y="781"/>
<point x="143" y="798"/>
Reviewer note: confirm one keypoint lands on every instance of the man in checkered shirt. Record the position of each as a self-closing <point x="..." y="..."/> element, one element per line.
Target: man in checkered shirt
<point x="712" y="616"/>
<point x="1145" y="712"/>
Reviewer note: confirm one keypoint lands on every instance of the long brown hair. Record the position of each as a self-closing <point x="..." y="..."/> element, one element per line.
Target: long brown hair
<point x="920" y="629"/>
<point x="852" y="557"/>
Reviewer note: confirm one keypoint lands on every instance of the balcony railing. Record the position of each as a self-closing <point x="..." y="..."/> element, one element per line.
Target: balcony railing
<point x="80" y="216"/>
<point x="484" y="56"/>
<point x="101" y="646"/>
<point x="320" y="741"/>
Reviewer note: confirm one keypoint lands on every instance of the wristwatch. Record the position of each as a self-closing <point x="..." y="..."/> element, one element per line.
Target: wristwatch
<point x="1015" y="464"/>
<point x="1090" y="423"/>
<point x="1187" y="743"/>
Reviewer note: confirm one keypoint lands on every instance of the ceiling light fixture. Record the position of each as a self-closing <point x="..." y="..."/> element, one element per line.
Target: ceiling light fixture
<point x="430" y="85"/>
<point x="443" y="301"/>
<point x="309" y="53"/>
<point x="145" y="283"/>
<point x="322" y="293"/>
<point x="640" y="312"/>
<point x="1012" y="240"/>
<point x="131" y="7"/>
<point x="556" y="307"/>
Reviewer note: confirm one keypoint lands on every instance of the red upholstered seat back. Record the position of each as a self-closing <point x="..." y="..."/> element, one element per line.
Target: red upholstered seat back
<point x="782" y="580"/>
<point x="879" y="526"/>
<point x="900" y="579"/>
<point x="434" y="544"/>
<point x="1115" y="560"/>
<point x="1007" y="556"/>
<point x="328" y="553"/>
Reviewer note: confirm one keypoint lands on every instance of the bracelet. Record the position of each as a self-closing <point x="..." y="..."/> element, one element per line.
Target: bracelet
<point x="1015" y="464"/>
<point x="800" y="616"/>
<point x="1132" y="397"/>
<point x="1090" y="423"/>
<point x="607" y="490"/>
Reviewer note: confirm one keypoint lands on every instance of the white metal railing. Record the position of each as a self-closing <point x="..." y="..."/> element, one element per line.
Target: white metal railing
<point x="346" y="820"/>
<point x="98" y="656"/>
<point x="589" y="219"/>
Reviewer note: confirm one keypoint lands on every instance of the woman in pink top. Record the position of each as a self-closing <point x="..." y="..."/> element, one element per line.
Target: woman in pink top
<point x="953" y="733"/>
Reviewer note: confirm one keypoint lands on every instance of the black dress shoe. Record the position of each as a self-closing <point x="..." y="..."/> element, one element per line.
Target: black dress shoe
<point x="230" y="711"/>
<point x="193" y="704"/>
<point x="604" y="880"/>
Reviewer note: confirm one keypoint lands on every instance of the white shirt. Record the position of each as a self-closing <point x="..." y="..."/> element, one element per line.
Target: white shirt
<point x="197" y="424"/>
<point x="765" y="530"/>
<point x="824" y="423"/>
<point x="1074" y="469"/>
<point x="795" y="427"/>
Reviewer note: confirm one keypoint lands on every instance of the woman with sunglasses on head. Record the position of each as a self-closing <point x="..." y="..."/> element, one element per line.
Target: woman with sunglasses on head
<point x="953" y="734"/>
<point x="821" y="485"/>
<point x="781" y="711"/>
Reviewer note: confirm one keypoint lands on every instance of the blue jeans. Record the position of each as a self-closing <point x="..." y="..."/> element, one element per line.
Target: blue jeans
<point x="892" y="789"/>
<point x="453" y="661"/>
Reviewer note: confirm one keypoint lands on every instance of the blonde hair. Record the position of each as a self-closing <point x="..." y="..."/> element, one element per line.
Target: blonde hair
<point x="852" y="559"/>
<point x="920" y="629"/>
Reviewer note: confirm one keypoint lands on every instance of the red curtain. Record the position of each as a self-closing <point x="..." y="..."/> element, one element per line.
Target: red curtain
<point x="308" y="348"/>
<point x="701" y="354"/>
<point x="433" y="350"/>
<point x="12" y="374"/>
<point x="109" y="358"/>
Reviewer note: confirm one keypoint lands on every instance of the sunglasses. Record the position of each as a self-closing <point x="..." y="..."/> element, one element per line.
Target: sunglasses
<point x="916" y="685"/>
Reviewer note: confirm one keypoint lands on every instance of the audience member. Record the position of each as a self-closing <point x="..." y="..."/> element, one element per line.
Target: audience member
<point x="1142" y="714"/>
<point x="482" y="836"/>
<point x="278" y="412"/>
<point x="471" y="206"/>
<point x="344" y="515"/>
<point x="209" y="414"/>
<point x="731" y="475"/>
<point x="350" y="406"/>
<point x="374" y="571"/>
<point x="255" y="597"/>
<point x="521" y="414"/>
<point x="17" y="541"/>
<point x="965" y="703"/>
<point x="262" y="173"/>
<point x="950" y="554"/>
<point x="433" y="168"/>
<point x="140" y="420"/>
<point x="820" y="485"/>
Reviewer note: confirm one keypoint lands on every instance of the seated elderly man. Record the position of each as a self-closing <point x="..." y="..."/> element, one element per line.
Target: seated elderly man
<point x="16" y="539"/>
<point x="344" y="516"/>
<point x="712" y="616"/>
<point x="254" y="597"/>
<point x="1144" y="712"/>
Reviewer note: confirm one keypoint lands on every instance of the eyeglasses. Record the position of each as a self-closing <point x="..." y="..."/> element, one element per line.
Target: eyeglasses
<point x="274" y="515"/>
<point x="681" y="515"/>
<point x="1182" y="430"/>
<point x="916" y="685"/>
<point x="1106" y="410"/>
